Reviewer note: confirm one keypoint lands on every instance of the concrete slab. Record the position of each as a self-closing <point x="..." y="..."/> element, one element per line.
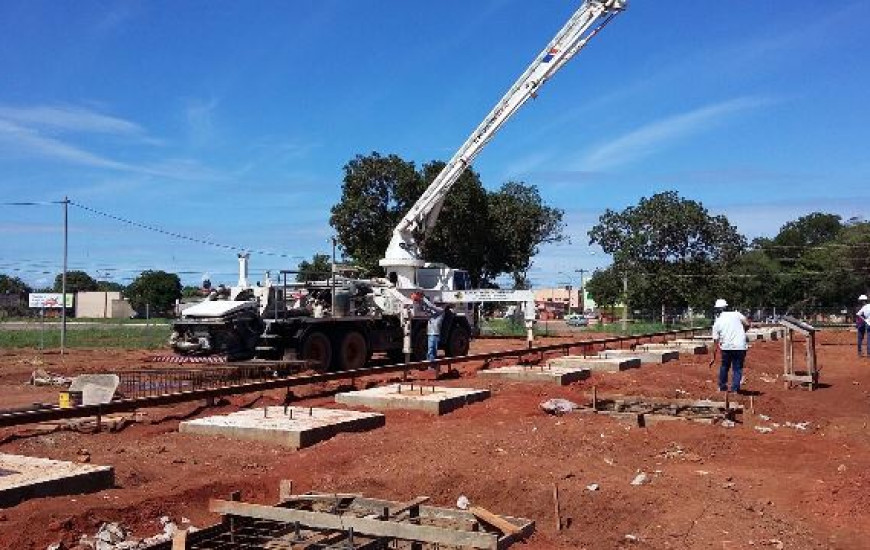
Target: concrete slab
<point x="763" y="334"/>
<point x="685" y="341"/>
<point x="561" y="376"/>
<point x="300" y="427"/>
<point x="97" y="389"/>
<point x="23" y="478"/>
<point x="431" y="399"/>
<point x="652" y="356"/>
<point x="595" y="363"/>
<point x="687" y="349"/>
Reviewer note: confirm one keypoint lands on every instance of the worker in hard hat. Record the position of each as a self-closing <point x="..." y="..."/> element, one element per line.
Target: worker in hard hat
<point x="729" y="337"/>
<point x="861" y="319"/>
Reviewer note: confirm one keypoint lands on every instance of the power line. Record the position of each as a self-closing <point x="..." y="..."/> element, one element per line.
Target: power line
<point x="177" y="235"/>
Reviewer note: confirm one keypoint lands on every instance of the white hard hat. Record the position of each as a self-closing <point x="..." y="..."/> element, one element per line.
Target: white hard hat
<point x="721" y="303"/>
<point x="863" y="297"/>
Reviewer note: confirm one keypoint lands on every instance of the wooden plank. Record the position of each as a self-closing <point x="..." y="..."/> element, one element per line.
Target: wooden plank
<point x="363" y="526"/>
<point x="408" y="505"/>
<point x="484" y="515"/>
<point x="314" y="497"/>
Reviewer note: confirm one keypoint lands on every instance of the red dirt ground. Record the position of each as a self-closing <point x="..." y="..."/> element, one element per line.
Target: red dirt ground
<point x="712" y="487"/>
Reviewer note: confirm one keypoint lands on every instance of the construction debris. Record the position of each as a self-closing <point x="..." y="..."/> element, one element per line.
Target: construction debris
<point x="114" y="536"/>
<point x="558" y="406"/>
<point x="641" y="478"/>
<point x="41" y="377"/>
<point x="651" y="409"/>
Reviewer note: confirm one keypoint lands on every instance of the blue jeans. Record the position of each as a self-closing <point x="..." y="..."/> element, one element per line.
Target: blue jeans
<point x="733" y="359"/>
<point x="861" y="331"/>
<point x="432" y="349"/>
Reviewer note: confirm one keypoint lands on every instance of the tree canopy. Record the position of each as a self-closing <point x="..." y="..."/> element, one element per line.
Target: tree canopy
<point x="675" y="253"/>
<point x="486" y="233"/>
<point x="13" y="285"/>
<point x="157" y="289"/>
<point x="319" y="268"/>
<point x="76" y="281"/>
<point x="672" y="245"/>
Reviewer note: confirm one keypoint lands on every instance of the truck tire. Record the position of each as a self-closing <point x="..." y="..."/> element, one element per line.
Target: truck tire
<point x="317" y="348"/>
<point x="353" y="351"/>
<point x="458" y="341"/>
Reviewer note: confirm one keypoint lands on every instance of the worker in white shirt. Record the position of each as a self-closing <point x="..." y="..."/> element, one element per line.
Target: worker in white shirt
<point x="861" y="319"/>
<point x="729" y="336"/>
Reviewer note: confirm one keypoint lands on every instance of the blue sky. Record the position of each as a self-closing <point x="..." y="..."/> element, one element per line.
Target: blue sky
<point x="230" y="121"/>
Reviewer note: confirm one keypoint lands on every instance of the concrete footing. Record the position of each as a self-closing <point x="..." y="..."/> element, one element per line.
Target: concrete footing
<point x="687" y="349"/>
<point x="23" y="478"/>
<point x="595" y="363"/>
<point x="299" y="427"/>
<point x="550" y="374"/>
<point x="431" y="399"/>
<point x="692" y="342"/>
<point x="763" y="334"/>
<point x="651" y="356"/>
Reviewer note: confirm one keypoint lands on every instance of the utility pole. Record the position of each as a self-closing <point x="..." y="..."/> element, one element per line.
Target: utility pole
<point x="334" y="242"/>
<point x="625" y="302"/>
<point x="582" y="300"/>
<point x="63" y="279"/>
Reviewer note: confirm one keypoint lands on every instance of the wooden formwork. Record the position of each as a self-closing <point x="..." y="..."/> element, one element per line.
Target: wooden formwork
<point x="349" y="521"/>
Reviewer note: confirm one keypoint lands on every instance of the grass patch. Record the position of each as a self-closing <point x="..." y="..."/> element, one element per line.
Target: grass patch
<point x="99" y="336"/>
<point x="643" y="327"/>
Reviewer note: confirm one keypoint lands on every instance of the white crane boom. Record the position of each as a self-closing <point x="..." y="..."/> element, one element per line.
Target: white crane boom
<point x="589" y="19"/>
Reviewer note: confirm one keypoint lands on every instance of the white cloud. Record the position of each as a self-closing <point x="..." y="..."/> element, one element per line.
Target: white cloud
<point x="71" y="119"/>
<point x="19" y="139"/>
<point x="200" y="117"/>
<point x="655" y="136"/>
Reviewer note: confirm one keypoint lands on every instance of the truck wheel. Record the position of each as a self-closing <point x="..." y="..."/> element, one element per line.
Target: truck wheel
<point x="318" y="350"/>
<point x="458" y="342"/>
<point x="353" y="352"/>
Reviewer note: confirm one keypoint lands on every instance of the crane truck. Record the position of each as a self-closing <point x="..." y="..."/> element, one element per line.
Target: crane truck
<point x="389" y="315"/>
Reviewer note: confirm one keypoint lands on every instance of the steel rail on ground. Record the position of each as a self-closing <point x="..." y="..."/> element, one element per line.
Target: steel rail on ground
<point x="19" y="418"/>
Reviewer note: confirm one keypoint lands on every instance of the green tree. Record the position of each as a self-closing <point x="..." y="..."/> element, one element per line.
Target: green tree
<point x="109" y="286"/>
<point x="519" y="223"/>
<point x="157" y="289"/>
<point x="76" y="281"/>
<point x="191" y="292"/>
<point x="319" y="268"/>
<point x="605" y="287"/>
<point x="458" y="238"/>
<point x="485" y="233"/>
<point x="13" y="285"/>
<point x="375" y="194"/>
<point x="673" y="244"/>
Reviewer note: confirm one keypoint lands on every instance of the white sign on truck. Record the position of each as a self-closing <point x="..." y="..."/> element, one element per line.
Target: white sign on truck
<point x="49" y="299"/>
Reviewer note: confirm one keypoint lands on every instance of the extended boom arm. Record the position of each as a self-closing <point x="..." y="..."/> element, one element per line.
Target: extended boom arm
<point x="586" y="22"/>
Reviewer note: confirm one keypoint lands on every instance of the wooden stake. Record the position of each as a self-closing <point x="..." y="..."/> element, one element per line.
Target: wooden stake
<point x="557" y="508"/>
<point x="179" y="540"/>
<point x="285" y="490"/>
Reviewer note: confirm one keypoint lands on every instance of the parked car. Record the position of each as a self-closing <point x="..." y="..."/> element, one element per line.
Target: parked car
<point x="578" y="321"/>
